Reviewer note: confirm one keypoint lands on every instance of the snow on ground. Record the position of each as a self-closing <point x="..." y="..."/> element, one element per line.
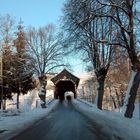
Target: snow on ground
<point x="128" y="92"/>
<point x="110" y="123"/>
<point x="136" y="114"/>
<point x="27" y="102"/>
<point x="13" y="121"/>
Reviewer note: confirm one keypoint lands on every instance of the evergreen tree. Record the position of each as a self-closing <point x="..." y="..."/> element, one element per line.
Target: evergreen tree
<point x="7" y="57"/>
<point x="4" y="81"/>
<point x="22" y="74"/>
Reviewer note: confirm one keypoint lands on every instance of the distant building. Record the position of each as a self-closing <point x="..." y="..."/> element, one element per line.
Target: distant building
<point x="87" y="85"/>
<point x="50" y="86"/>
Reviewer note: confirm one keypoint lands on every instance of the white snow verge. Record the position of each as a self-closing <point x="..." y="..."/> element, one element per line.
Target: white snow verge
<point x="124" y="108"/>
<point x="12" y="125"/>
<point x="109" y="123"/>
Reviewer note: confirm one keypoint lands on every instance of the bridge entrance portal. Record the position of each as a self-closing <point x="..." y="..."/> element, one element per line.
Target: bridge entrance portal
<point x="65" y="81"/>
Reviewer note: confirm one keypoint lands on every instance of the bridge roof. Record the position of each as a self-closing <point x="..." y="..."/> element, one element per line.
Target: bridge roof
<point x="65" y="76"/>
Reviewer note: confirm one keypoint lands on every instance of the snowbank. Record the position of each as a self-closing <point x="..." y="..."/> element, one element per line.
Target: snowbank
<point x="109" y="123"/>
<point x="27" y="102"/>
<point x="136" y="114"/>
<point x="13" y="122"/>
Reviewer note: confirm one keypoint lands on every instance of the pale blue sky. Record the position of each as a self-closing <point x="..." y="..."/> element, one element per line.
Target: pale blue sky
<point x="38" y="13"/>
<point x="33" y="12"/>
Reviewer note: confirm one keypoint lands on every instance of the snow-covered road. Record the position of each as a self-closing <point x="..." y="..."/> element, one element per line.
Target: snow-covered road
<point x="63" y="123"/>
<point x="12" y="122"/>
<point x="76" y="120"/>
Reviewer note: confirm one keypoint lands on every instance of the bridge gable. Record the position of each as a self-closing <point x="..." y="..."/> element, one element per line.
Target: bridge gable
<point x="65" y="76"/>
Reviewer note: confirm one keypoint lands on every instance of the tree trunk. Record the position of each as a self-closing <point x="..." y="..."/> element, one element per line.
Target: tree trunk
<point x="101" y="75"/>
<point x="75" y="95"/>
<point x="122" y="98"/>
<point x="1" y="98"/>
<point x="0" y="104"/>
<point x="129" y="102"/>
<point x="113" y="100"/>
<point x="4" y="104"/>
<point x="118" y="98"/>
<point x="42" y="95"/>
<point x="100" y="92"/>
<point x="18" y="100"/>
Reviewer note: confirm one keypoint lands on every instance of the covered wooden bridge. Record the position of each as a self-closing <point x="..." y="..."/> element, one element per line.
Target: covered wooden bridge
<point x="65" y="81"/>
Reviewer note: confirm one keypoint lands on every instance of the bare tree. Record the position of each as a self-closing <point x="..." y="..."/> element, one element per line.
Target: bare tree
<point x="118" y="76"/>
<point x="46" y="52"/>
<point x="90" y="36"/>
<point x="45" y="49"/>
<point x="7" y="24"/>
<point x="123" y="14"/>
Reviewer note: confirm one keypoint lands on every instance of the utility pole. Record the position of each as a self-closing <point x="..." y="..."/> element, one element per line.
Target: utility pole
<point x="1" y="82"/>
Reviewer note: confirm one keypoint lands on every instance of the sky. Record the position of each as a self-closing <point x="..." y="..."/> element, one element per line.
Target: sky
<point x="39" y="13"/>
<point x="33" y="12"/>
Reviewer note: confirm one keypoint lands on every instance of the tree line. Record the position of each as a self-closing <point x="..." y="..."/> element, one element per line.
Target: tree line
<point x="26" y="53"/>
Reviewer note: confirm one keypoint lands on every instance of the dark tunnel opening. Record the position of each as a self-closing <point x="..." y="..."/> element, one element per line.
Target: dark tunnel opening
<point x="64" y="86"/>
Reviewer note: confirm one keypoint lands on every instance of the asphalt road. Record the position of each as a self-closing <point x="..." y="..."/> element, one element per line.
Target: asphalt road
<point x="63" y="123"/>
